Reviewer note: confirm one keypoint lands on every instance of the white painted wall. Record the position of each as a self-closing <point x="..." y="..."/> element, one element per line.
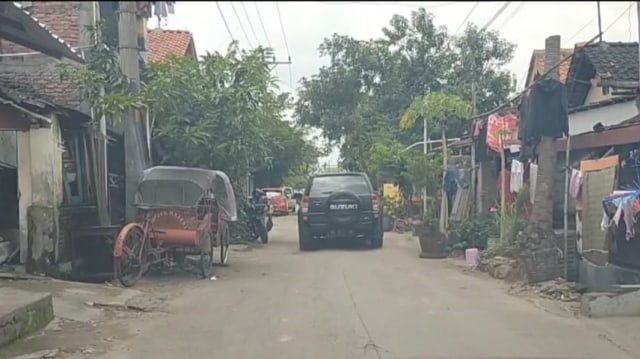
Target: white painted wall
<point x="581" y="122"/>
<point x="39" y="175"/>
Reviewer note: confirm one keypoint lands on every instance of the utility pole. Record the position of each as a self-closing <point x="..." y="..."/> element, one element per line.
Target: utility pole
<point x="473" y="147"/>
<point x="128" y="48"/>
<point x="638" y="15"/>
<point x="599" y="22"/>
<point x="424" y="151"/>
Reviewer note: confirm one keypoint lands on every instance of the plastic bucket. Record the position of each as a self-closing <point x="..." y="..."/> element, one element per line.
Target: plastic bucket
<point x="471" y="257"/>
<point x="387" y="223"/>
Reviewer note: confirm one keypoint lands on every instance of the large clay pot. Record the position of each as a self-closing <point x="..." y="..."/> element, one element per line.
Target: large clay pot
<point x="387" y="223"/>
<point x="432" y="243"/>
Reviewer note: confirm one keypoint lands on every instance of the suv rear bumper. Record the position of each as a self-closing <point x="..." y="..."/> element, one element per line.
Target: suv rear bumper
<point x="330" y="230"/>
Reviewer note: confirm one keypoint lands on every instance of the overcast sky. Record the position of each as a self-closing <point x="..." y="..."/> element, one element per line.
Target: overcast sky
<point x="526" y="24"/>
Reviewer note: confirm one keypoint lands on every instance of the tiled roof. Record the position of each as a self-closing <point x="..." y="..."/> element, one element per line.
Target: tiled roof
<point x="42" y="84"/>
<point x="67" y="51"/>
<point x="538" y="59"/>
<point x="615" y="61"/>
<point x="163" y="43"/>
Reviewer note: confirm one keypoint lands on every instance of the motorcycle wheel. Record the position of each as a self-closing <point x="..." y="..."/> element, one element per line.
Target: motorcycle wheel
<point x="264" y="235"/>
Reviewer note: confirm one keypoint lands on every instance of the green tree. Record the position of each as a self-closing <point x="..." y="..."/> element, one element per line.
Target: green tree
<point x="221" y="112"/>
<point x="368" y="85"/>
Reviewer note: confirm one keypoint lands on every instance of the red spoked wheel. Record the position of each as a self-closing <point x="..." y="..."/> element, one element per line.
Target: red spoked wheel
<point x="206" y="254"/>
<point x="129" y="255"/>
<point x="225" y="239"/>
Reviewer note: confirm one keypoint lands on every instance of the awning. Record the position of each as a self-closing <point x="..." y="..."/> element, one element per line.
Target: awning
<point x="17" y="25"/>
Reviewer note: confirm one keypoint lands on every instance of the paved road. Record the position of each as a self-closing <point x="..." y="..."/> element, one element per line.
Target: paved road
<point x="277" y="303"/>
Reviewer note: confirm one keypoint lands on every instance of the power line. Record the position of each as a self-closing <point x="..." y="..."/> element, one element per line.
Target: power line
<point x="244" y="9"/>
<point x="466" y="18"/>
<point x="580" y="31"/>
<point x="264" y="30"/>
<point x="498" y="13"/>
<point x="619" y="17"/>
<point x="241" y="27"/>
<point x="286" y="45"/>
<point x="225" y="21"/>
<point x="284" y="35"/>
<point x="512" y="15"/>
<point x="542" y="77"/>
<point x="391" y="3"/>
<point x="553" y="68"/>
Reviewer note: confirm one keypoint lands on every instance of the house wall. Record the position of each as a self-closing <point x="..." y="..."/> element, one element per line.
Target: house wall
<point x="581" y="122"/>
<point x="8" y="147"/>
<point x="38" y="73"/>
<point x="595" y="95"/>
<point x="60" y="17"/>
<point x="40" y="185"/>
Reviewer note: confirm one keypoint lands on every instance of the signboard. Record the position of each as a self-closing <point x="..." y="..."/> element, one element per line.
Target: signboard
<point x="391" y="190"/>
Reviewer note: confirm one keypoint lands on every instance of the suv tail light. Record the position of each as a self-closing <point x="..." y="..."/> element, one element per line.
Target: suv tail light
<point x="305" y="205"/>
<point x="376" y="204"/>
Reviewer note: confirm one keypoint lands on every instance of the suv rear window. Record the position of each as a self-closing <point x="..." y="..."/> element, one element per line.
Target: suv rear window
<point x="351" y="183"/>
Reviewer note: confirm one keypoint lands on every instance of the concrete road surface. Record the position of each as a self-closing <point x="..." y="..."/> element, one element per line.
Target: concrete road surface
<point x="277" y="303"/>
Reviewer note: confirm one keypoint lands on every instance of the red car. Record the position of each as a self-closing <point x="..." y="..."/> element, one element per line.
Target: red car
<point x="280" y="199"/>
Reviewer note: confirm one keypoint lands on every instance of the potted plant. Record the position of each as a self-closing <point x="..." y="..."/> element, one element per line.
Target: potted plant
<point x="391" y="207"/>
<point x="432" y="243"/>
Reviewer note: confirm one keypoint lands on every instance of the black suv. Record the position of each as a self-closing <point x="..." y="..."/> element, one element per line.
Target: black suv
<point x="341" y="205"/>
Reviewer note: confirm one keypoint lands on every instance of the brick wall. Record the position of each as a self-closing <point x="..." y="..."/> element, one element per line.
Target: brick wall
<point x="38" y="75"/>
<point x="60" y="17"/>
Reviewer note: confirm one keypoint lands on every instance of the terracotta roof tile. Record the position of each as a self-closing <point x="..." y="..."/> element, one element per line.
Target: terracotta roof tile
<point x="564" y="67"/>
<point x="163" y="43"/>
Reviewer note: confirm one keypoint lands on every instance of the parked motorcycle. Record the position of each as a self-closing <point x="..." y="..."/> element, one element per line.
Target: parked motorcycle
<point x="260" y="217"/>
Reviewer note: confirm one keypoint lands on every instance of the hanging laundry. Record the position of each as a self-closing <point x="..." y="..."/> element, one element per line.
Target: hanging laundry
<point x="509" y="197"/>
<point x="502" y="131"/>
<point x="171" y="7"/>
<point x="599" y="164"/>
<point x="546" y="112"/>
<point x="575" y="183"/>
<point x="477" y="127"/>
<point x="522" y="128"/>
<point x="533" y="179"/>
<point x="480" y="141"/>
<point x="144" y="9"/>
<point x="625" y="205"/>
<point x="517" y="174"/>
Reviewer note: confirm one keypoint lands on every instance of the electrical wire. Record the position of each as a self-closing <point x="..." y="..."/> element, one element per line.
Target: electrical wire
<point x="579" y="31"/>
<point x="466" y="18"/>
<point x="391" y="3"/>
<point x="224" y="20"/>
<point x="542" y="77"/>
<point x="241" y="27"/>
<point x="244" y="9"/>
<point x="553" y="68"/>
<point x="286" y="45"/>
<point x="495" y="16"/>
<point x="619" y="17"/>
<point x="512" y="15"/>
<point x="264" y="30"/>
<point x="629" y="20"/>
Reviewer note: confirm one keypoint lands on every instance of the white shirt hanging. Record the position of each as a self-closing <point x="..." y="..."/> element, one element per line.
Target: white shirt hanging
<point x="517" y="173"/>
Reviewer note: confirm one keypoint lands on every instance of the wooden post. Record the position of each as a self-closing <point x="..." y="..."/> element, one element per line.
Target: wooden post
<point x="128" y="46"/>
<point x="473" y="150"/>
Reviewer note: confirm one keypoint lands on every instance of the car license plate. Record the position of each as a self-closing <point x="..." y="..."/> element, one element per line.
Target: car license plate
<point x="343" y="206"/>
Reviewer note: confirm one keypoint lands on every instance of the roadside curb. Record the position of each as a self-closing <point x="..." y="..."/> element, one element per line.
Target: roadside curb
<point x="23" y="313"/>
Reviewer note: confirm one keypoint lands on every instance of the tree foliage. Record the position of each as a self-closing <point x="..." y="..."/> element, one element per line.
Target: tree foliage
<point x="369" y="84"/>
<point x="437" y="109"/>
<point x="221" y="111"/>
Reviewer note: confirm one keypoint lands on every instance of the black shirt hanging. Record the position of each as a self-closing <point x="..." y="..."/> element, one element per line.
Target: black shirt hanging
<point x="545" y="111"/>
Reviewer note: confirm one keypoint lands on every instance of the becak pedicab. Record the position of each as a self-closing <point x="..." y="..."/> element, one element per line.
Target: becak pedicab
<point x="181" y="211"/>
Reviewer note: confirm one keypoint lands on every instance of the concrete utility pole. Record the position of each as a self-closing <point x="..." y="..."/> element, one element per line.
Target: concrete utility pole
<point x="638" y="15"/>
<point x="128" y="46"/>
